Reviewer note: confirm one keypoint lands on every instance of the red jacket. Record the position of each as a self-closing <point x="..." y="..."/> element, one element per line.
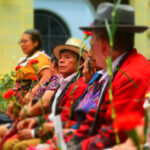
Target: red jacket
<point x="71" y="96"/>
<point x="126" y="98"/>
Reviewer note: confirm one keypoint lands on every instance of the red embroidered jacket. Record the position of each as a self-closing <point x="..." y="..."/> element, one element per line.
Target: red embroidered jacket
<point x="126" y="98"/>
<point x="65" y="103"/>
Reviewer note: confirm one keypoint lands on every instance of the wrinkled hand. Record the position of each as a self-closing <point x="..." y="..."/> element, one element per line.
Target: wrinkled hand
<point x="48" y="128"/>
<point x="27" y="123"/>
<point x="25" y="134"/>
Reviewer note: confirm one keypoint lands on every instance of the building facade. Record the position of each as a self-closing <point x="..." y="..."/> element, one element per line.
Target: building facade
<point x="57" y="20"/>
<point x="15" y="17"/>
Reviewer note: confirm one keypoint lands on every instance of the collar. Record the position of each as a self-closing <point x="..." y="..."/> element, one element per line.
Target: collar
<point x="64" y="81"/>
<point x="114" y="64"/>
<point x="100" y="72"/>
<point x="35" y="55"/>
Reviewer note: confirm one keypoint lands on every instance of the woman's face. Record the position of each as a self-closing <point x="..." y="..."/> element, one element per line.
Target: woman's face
<point x="27" y="45"/>
<point x="87" y="76"/>
<point x="67" y="63"/>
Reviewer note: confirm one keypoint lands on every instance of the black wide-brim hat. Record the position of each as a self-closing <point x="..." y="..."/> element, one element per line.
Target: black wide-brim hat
<point x="124" y="13"/>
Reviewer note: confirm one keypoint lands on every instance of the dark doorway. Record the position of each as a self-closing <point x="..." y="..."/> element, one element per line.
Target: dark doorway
<point x="53" y="29"/>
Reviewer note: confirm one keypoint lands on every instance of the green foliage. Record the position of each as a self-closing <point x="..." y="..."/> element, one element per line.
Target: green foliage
<point x="146" y="125"/>
<point x="6" y="82"/>
<point x="111" y="30"/>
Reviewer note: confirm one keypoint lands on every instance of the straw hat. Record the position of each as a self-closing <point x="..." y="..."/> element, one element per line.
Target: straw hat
<point x="72" y="44"/>
<point x="125" y="14"/>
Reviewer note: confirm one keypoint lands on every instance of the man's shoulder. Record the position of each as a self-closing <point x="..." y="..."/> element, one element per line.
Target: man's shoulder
<point x="136" y="63"/>
<point x="135" y="66"/>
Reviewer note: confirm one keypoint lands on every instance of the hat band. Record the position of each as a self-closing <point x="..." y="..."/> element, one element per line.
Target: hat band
<point x="98" y="22"/>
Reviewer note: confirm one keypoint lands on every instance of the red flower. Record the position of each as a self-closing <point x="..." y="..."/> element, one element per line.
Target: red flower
<point x="34" y="78"/>
<point x="9" y="94"/>
<point x="129" y="121"/>
<point x="46" y="117"/>
<point x="88" y="33"/>
<point x="17" y="67"/>
<point x="34" y="61"/>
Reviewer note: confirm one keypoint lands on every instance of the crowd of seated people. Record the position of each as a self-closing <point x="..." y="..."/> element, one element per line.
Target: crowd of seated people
<point x="31" y="45"/>
<point x="76" y="87"/>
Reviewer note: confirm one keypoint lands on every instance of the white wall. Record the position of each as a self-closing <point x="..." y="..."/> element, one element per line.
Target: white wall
<point x="74" y="13"/>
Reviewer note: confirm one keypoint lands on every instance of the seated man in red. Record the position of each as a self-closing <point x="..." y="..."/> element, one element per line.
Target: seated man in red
<point x="96" y="131"/>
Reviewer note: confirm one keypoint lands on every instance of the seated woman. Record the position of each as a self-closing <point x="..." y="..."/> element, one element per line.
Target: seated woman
<point x="44" y="93"/>
<point x="61" y="102"/>
<point x="32" y="47"/>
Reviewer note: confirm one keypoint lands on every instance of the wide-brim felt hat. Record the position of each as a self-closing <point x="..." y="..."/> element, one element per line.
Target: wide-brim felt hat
<point x="74" y="45"/>
<point x="124" y="14"/>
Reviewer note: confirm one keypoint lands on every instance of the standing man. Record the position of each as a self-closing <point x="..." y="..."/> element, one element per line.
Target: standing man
<point x="97" y="131"/>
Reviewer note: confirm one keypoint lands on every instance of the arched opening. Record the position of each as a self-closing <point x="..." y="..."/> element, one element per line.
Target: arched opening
<point x="53" y="29"/>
